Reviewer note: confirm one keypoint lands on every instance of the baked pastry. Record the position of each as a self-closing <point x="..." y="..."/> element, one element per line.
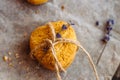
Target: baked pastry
<point x="65" y="52"/>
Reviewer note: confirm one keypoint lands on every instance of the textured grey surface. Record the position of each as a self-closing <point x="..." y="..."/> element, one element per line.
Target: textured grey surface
<point x="18" y="19"/>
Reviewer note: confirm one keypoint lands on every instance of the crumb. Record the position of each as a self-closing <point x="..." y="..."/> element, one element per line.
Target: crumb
<point x="17" y="55"/>
<point x="97" y="23"/>
<point x="62" y="7"/>
<point x="27" y="68"/>
<point x="9" y="53"/>
<point x="20" y="62"/>
<point x="5" y="58"/>
<point x="25" y="34"/>
<point x="37" y="12"/>
<point x="10" y="64"/>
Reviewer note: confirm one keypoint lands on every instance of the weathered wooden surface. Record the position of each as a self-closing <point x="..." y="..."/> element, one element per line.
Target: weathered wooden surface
<point x="18" y="19"/>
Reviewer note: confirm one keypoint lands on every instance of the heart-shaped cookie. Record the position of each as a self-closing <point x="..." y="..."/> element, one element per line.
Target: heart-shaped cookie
<point x="65" y="52"/>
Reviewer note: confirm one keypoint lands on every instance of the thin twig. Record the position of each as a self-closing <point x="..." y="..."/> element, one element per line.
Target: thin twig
<point x="101" y="54"/>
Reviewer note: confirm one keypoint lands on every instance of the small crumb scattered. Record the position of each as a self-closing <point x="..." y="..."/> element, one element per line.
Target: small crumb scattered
<point x="97" y="23"/>
<point x="10" y="64"/>
<point x="9" y="53"/>
<point x="25" y="34"/>
<point x="62" y="7"/>
<point x="17" y="55"/>
<point x="58" y="35"/>
<point x="27" y="69"/>
<point x="37" y="12"/>
<point x="5" y="58"/>
<point x="20" y="62"/>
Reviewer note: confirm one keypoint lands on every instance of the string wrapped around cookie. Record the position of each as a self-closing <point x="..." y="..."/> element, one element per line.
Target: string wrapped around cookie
<point x="54" y="45"/>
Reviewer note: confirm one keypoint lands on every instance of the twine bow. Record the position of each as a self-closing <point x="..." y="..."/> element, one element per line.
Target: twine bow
<point x="55" y="41"/>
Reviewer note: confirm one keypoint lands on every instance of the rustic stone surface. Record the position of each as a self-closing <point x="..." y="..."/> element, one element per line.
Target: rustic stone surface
<point x="18" y="19"/>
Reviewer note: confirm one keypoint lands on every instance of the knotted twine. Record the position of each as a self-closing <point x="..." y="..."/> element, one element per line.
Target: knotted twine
<point x="55" y="41"/>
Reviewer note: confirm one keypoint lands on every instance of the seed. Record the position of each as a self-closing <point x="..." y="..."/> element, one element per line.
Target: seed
<point x="97" y="23"/>
<point x="110" y="22"/>
<point x="64" y="27"/>
<point x="108" y="32"/>
<point x="72" y="24"/>
<point x="106" y="38"/>
<point x="46" y="48"/>
<point x="58" y="35"/>
<point x="109" y="28"/>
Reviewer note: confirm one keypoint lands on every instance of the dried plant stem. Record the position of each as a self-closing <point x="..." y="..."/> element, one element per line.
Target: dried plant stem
<point x="101" y="54"/>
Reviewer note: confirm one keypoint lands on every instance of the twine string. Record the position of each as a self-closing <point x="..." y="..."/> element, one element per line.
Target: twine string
<point x="55" y="41"/>
<point x="57" y="70"/>
<point x="53" y="31"/>
<point x="62" y="40"/>
<point x="55" y="57"/>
